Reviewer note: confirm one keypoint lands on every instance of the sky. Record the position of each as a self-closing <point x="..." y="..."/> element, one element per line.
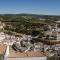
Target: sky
<point x="46" y="7"/>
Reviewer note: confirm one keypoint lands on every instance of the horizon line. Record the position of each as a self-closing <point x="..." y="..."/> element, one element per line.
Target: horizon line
<point x="29" y="13"/>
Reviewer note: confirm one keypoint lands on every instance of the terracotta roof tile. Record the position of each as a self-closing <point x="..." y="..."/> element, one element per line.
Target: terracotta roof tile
<point x="35" y="54"/>
<point x="2" y="48"/>
<point x="15" y="54"/>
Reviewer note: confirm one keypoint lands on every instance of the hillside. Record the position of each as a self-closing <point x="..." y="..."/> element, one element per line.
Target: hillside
<point x="24" y="22"/>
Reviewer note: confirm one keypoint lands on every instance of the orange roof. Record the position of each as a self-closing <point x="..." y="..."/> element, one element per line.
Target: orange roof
<point x="2" y="48"/>
<point x="35" y="54"/>
<point x="17" y="55"/>
<point x="14" y="54"/>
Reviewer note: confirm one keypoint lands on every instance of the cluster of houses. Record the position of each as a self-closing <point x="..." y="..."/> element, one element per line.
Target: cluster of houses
<point x="20" y="47"/>
<point x="24" y="46"/>
<point x="53" y="33"/>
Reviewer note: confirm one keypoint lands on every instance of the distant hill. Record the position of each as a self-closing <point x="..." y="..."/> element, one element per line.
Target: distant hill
<point x="26" y="14"/>
<point x="53" y="17"/>
<point x="24" y="22"/>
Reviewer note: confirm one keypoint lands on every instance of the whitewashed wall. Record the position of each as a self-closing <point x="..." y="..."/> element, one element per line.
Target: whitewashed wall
<point x="31" y="58"/>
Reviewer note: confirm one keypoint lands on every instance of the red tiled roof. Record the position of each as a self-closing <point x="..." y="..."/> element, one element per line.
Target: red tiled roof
<point x="2" y="48"/>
